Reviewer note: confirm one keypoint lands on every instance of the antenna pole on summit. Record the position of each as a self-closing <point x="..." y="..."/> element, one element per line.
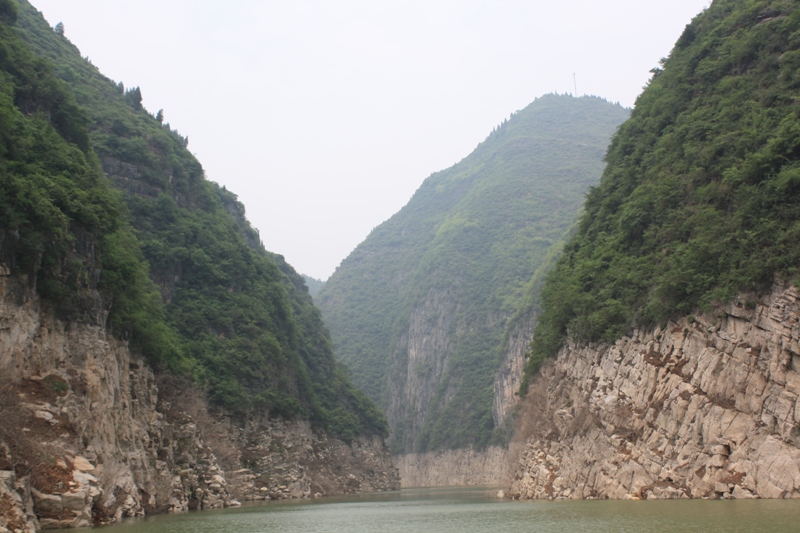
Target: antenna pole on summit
<point x="575" y="80"/>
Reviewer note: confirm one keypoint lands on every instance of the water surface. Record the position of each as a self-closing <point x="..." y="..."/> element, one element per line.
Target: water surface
<point x="469" y="510"/>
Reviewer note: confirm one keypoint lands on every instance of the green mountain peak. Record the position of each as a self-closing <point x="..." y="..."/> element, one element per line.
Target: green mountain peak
<point x="418" y="310"/>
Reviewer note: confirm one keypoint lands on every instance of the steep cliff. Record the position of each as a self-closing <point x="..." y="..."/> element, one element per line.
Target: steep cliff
<point x="707" y="407"/>
<point x="456" y="468"/>
<point x="88" y="437"/>
<point x="81" y="429"/>
<point x="676" y="353"/>
<point x="120" y="399"/>
<point x="432" y="312"/>
<point x="237" y="317"/>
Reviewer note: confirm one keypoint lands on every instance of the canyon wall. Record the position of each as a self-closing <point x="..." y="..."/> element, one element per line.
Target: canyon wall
<point x="87" y="439"/>
<point x="432" y="311"/>
<point x="705" y="408"/>
<point x="80" y="417"/>
<point x="509" y="376"/>
<point x="455" y="468"/>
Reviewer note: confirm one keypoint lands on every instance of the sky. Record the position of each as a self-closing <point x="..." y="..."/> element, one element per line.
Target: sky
<point x="325" y="116"/>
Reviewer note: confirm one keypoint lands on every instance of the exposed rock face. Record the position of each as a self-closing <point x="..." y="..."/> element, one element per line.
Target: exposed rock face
<point x="86" y="409"/>
<point x="16" y="505"/>
<point x="461" y="467"/>
<point x="289" y="460"/>
<point x="706" y="408"/>
<point x="423" y="310"/>
<point x="508" y="377"/>
<point x="73" y="395"/>
<point x="418" y="362"/>
<point x="453" y="468"/>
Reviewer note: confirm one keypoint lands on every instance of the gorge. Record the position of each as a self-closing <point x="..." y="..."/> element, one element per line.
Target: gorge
<point x="596" y="303"/>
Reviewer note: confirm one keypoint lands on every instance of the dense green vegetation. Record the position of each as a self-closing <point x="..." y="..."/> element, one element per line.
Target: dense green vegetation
<point x="236" y="317"/>
<point x="700" y="196"/>
<point x="313" y="284"/>
<point x="65" y="228"/>
<point x="461" y="254"/>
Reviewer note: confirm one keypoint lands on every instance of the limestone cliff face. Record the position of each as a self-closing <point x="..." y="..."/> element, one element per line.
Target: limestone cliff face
<point x="76" y="401"/>
<point x="455" y="468"/>
<point x="421" y="357"/>
<point x="86" y="438"/>
<point x="508" y="377"/>
<point x="418" y="362"/>
<point x="707" y="407"/>
<point x="289" y="460"/>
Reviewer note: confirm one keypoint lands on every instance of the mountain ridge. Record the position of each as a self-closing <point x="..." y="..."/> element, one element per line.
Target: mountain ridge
<point x="418" y="270"/>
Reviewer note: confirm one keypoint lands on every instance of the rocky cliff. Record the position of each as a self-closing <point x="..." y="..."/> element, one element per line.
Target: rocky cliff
<point x="455" y="468"/>
<point x="705" y="408"/>
<point x="83" y="442"/>
<point x="87" y="439"/>
<point x="284" y="460"/>
<point x="509" y="375"/>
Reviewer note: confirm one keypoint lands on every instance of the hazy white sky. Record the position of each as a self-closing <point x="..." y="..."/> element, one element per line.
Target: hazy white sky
<point x="325" y="116"/>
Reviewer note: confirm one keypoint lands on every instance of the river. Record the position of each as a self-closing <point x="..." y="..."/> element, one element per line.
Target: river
<point x="470" y="510"/>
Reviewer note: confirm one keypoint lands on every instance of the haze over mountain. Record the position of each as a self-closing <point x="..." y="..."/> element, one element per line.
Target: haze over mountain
<point x="423" y="310"/>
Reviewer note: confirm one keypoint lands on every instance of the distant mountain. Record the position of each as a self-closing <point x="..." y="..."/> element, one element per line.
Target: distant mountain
<point x="429" y="310"/>
<point x="313" y="284"/>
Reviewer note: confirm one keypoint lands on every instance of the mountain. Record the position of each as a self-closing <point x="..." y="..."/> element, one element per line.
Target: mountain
<point x="313" y="284"/>
<point x="698" y="201"/>
<point x="146" y="335"/>
<point x="672" y="313"/>
<point x="243" y="318"/>
<point x="423" y="311"/>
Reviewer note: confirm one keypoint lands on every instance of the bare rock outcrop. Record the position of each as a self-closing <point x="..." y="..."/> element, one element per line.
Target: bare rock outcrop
<point x="455" y="468"/>
<point x="290" y="460"/>
<point x="80" y="414"/>
<point x="509" y="376"/>
<point x="706" y="408"/>
<point x="86" y="438"/>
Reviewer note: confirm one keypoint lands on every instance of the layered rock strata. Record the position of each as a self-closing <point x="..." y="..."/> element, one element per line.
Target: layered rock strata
<point x="79" y="413"/>
<point x="455" y="468"/>
<point x="85" y="438"/>
<point x="706" y="408"/>
<point x="509" y="376"/>
<point x="290" y="460"/>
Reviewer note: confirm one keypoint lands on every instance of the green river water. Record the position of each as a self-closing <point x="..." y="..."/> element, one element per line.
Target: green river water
<point x="468" y="510"/>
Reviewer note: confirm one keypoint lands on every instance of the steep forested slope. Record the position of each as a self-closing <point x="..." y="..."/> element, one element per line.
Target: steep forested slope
<point x="684" y="267"/>
<point x="700" y="196"/>
<point x="235" y="316"/>
<point x="418" y="311"/>
<point x="62" y="226"/>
